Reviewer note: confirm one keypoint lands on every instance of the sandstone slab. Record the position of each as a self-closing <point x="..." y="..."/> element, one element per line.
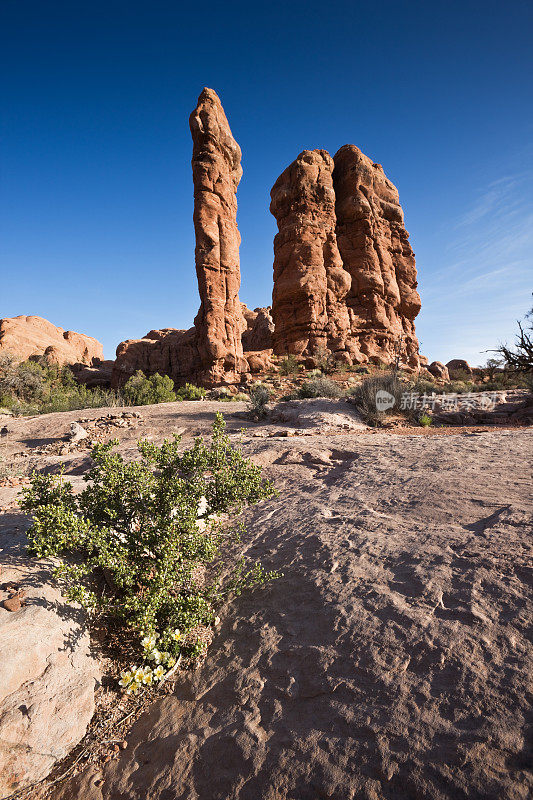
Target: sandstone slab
<point x="391" y="662"/>
<point x="48" y="672"/>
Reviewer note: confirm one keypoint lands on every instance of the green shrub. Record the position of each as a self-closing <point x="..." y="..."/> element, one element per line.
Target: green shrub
<point x="365" y="396"/>
<point x="191" y="392"/>
<point x="425" y="420"/>
<point x="143" y="391"/>
<point x="423" y="386"/>
<point x="325" y="360"/>
<point x="152" y="528"/>
<point x="459" y="375"/>
<point x="288" y="365"/>
<point x="319" y="387"/>
<point x="22" y="382"/>
<point x="258" y="400"/>
<point x="460" y="387"/>
<point x="37" y="387"/>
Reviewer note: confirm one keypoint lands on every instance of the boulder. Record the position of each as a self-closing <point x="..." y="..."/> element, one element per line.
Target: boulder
<point x="259" y="361"/>
<point x="48" y="673"/>
<point x="438" y="370"/>
<point x="24" y="337"/>
<point x="459" y="368"/>
<point x="77" y="432"/>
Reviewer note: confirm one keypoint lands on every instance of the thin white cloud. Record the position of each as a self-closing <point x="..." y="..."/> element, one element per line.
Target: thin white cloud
<point x="472" y="302"/>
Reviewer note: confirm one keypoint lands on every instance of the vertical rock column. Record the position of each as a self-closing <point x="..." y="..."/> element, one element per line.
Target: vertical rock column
<point x="374" y="246"/>
<point x="216" y="167"/>
<point x="309" y="280"/>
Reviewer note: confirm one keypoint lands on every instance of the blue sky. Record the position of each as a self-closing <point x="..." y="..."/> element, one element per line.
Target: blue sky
<point x="96" y="188"/>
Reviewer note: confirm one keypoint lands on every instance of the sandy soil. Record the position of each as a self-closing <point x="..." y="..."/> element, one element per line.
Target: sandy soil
<point x="392" y="660"/>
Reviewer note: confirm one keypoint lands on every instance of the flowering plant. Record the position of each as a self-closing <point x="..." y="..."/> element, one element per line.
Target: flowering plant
<point x="153" y="528"/>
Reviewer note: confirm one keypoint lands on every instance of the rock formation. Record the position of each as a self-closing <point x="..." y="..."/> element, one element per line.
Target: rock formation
<point x="216" y="169"/>
<point x="259" y="329"/>
<point x="344" y="272"/>
<point x="438" y="370"/>
<point x="374" y="245"/>
<point x="23" y="337"/>
<point x="211" y="352"/>
<point x="310" y="282"/>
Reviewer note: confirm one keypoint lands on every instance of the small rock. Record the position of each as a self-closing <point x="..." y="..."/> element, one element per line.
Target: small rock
<point x="77" y="433"/>
<point x="13" y="603"/>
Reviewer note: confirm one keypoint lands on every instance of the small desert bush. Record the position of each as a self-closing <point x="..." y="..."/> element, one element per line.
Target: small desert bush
<point x="365" y="394"/>
<point x="288" y="365"/>
<point x="143" y="391"/>
<point x="325" y="360"/>
<point x="258" y="400"/>
<point x="460" y="387"/>
<point x="319" y="386"/>
<point x="423" y="386"/>
<point x="425" y="420"/>
<point x="152" y="527"/>
<point x="191" y="392"/>
<point x="459" y="375"/>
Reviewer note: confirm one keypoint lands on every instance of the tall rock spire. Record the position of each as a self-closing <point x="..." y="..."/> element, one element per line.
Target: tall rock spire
<point x="216" y="168"/>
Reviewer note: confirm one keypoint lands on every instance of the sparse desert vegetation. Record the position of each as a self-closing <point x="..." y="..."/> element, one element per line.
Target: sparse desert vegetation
<point x="146" y="541"/>
<point x="278" y="549"/>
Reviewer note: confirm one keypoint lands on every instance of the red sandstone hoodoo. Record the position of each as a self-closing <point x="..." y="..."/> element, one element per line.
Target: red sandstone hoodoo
<point x="344" y="271"/>
<point x="210" y="352"/>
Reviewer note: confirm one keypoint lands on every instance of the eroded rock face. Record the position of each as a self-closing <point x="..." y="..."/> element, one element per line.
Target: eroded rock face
<point x="168" y="351"/>
<point x="47" y="672"/>
<point x="259" y="329"/>
<point x="216" y="168"/>
<point x="382" y="300"/>
<point x="310" y="283"/>
<point x="24" y="336"/>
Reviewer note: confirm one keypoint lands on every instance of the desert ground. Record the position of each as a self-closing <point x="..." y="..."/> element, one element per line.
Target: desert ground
<point x="391" y="661"/>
